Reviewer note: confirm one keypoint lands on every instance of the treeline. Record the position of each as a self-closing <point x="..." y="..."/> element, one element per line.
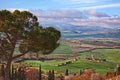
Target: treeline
<point x="23" y="72"/>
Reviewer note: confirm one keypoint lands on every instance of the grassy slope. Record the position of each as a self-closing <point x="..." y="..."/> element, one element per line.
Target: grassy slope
<point x="111" y="55"/>
<point x="62" y="49"/>
<point x="102" y="40"/>
<point x="74" y="67"/>
<point x="114" y="41"/>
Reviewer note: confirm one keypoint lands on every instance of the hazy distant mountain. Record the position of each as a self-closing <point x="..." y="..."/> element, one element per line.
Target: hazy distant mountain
<point x="69" y="27"/>
<point x="72" y="31"/>
<point x="113" y="33"/>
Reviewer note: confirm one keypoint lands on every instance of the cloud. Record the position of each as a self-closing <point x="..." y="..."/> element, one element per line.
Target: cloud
<point x="100" y="22"/>
<point x="94" y="13"/>
<point x="79" y="18"/>
<point x="76" y="17"/>
<point x="100" y="6"/>
<point x="21" y="9"/>
<point x="83" y="1"/>
<point x="88" y="4"/>
<point x="59" y="13"/>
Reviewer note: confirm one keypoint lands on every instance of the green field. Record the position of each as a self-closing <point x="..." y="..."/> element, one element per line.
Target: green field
<point x="64" y="48"/>
<point x="111" y="55"/>
<point x="109" y="41"/>
<point x="101" y="40"/>
<point x="75" y="66"/>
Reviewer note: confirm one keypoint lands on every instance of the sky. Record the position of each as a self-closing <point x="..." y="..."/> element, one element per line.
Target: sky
<point x="103" y="13"/>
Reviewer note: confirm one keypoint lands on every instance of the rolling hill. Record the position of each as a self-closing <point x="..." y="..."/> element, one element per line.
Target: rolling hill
<point x="72" y="31"/>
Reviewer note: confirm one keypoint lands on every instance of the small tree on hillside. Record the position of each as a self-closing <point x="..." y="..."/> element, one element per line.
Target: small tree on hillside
<point x="22" y="29"/>
<point x="66" y="72"/>
<point x="2" y="70"/>
<point x="40" y="73"/>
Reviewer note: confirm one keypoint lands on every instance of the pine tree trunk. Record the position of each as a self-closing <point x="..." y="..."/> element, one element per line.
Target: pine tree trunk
<point x="7" y="70"/>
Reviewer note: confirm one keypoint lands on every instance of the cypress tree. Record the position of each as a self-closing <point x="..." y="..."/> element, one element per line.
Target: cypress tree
<point x="118" y="70"/>
<point x="53" y="76"/>
<point x="40" y="73"/>
<point x="49" y="75"/>
<point x="66" y="72"/>
<point x="21" y="75"/>
<point x="2" y="70"/>
<point x="81" y="72"/>
<point x="16" y="74"/>
<point x="12" y="73"/>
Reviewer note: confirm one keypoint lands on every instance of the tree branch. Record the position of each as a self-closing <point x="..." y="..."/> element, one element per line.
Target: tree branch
<point x="17" y="56"/>
<point x="2" y="47"/>
<point x="3" y="51"/>
<point x="9" y="37"/>
<point x="14" y="41"/>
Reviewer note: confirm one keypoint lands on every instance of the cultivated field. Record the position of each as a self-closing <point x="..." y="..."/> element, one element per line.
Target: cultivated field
<point x="99" y="54"/>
